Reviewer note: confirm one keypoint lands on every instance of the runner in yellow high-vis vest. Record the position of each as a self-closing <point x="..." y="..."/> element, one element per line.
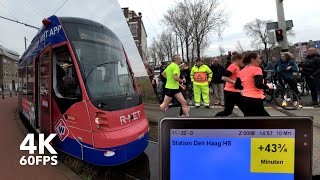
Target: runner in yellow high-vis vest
<point x="201" y="76"/>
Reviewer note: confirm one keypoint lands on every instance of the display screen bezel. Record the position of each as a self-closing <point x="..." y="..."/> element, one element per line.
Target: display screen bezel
<point x="301" y="125"/>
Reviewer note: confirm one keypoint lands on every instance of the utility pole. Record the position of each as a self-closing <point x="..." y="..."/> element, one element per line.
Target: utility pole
<point x="282" y="25"/>
<point x="25" y="43"/>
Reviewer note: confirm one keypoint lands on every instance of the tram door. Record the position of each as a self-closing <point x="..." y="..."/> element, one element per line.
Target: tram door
<point x="45" y="81"/>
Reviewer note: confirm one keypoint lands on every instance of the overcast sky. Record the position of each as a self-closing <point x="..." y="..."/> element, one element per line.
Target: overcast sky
<point x="305" y="16"/>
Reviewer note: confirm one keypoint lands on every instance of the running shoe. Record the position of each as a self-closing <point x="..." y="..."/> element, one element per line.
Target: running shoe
<point x="284" y="103"/>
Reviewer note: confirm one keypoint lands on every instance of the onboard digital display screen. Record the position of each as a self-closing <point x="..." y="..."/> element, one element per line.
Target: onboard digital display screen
<point x="249" y="154"/>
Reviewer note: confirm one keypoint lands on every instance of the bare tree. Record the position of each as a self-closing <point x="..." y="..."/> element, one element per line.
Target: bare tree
<point x="205" y="44"/>
<point x="239" y="47"/>
<point x="156" y="50"/>
<point x="152" y="54"/>
<point x="257" y="30"/>
<point x="167" y="43"/>
<point x="206" y="18"/>
<point x="221" y="50"/>
<point x="176" y="18"/>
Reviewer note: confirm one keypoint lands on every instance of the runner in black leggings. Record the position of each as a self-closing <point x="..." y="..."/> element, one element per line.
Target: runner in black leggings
<point x="232" y="96"/>
<point x="250" y="80"/>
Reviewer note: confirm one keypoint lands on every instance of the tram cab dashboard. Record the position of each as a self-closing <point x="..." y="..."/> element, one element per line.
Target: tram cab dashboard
<point x="236" y="148"/>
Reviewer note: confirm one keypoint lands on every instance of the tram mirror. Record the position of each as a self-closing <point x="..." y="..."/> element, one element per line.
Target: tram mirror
<point x="236" y="148"/>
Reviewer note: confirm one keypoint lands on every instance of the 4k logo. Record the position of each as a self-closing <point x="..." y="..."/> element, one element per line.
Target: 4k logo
<point x="62" y="130"/>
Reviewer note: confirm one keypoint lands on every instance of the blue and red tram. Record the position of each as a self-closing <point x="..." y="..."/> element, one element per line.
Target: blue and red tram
<point x="78" y="83"/>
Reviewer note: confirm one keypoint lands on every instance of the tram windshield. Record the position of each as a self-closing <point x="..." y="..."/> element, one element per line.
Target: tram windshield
<point x="102" y="61"/>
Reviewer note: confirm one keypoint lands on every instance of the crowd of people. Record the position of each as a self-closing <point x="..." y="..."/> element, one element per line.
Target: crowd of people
<point x="240" y="82"/>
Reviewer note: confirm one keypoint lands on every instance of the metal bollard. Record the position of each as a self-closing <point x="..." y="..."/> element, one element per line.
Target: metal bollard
<point x="10" y="93"/>
<point x="16" y="93"/>
<point x="2" y="94"/>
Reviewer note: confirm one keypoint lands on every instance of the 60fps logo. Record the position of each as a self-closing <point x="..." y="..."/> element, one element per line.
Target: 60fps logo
<point x="43" y="143"/>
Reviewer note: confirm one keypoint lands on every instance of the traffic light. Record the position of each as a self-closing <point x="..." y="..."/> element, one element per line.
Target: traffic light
<point x="279" y="34"/>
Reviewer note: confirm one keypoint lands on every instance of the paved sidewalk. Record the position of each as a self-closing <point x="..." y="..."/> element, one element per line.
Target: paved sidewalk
<point x="11" y="135"/>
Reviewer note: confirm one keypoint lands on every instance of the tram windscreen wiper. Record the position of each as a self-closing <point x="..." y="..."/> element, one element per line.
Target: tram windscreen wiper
<point x="97" y="67"/>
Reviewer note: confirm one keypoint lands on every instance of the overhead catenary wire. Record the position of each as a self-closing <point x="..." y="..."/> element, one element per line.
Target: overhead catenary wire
<point x="61" y="6"/>
<point x="156" y="14"/>
<point x="8" y="10"/>
<point x="28" y="25"/>
<point x="26" y="22"/>
<point x="152" y="25"/>
<point x="30" y="6"/>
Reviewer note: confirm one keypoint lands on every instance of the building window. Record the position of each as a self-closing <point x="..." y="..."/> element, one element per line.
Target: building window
<point x="130" y="15"/>
<point x="16" y="65"/>
<point x="134" y="29"/>
<point x="6" y="74"/>
<point x="9" y="64"/>
<point x="4" y="62"/>
<point x="16" y="74"/>
<point x="5" y="85"/>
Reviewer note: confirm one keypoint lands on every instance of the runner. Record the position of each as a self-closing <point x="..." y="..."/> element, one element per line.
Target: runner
<point x="232" y="96"/>
<point x="172" y="73"/>
<point x="250" y="79"/>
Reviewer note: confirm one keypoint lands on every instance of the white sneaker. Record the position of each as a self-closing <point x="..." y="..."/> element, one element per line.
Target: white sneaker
<point x="183" y="116"/>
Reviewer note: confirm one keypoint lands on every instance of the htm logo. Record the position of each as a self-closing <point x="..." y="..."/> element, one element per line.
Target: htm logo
<point x="62" y="130"/>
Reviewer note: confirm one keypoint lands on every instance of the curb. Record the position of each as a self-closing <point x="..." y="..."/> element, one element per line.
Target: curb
<point x="63" y="169"/>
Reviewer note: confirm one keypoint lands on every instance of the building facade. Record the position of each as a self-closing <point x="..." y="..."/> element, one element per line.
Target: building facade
<point x="301" y="48"/>
<point x="138" y="31"/>
<point x="8" y="69"/>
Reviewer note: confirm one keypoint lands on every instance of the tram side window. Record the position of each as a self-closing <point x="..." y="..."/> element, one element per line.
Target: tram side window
<point x="20" y="75"/>
<point x="30" y="83"/>
<point x="66" y="83"/>
<point x="23" y="72"/>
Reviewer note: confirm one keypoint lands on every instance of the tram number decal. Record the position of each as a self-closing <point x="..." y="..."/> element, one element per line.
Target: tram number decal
<point x="39" y="159"/>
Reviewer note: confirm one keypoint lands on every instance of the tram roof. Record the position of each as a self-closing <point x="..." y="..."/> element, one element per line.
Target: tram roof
<point x="53" y="34"/>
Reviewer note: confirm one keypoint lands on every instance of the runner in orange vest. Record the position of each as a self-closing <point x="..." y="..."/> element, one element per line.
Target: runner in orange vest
<point x="201" y="76"/>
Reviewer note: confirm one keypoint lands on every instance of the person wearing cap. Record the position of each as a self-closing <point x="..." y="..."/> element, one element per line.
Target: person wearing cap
<point x="201" y="76"/>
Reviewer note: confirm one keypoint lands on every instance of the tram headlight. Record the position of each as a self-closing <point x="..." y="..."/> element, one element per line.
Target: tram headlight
<point x="100" y="119"/>
<point x="96" y="120"/>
